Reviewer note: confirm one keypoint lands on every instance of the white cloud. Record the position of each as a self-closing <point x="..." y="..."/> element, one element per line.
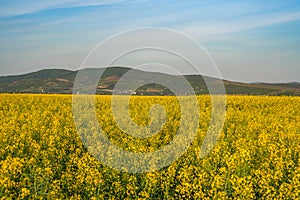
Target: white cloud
<point x="239" y="24"/>
<point x="19" y="7"/>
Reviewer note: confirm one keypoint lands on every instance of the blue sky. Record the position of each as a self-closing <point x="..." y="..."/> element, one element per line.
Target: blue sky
<point x="249" y="40"/>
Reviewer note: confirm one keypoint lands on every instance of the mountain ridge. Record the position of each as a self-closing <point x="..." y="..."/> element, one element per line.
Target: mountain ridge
<point x="62" y="81"/>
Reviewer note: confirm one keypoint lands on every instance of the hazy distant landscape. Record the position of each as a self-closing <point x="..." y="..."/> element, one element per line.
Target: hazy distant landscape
<point x="61" y="81"/>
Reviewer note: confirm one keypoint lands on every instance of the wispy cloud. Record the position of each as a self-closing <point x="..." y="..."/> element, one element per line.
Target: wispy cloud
<point x="238" y="24"/>
<point x="20" y="7"/>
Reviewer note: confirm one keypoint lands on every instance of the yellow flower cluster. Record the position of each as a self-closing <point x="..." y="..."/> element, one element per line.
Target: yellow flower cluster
<point x="256" y="157"/>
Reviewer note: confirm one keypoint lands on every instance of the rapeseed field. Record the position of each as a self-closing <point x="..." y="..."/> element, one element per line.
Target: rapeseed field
<point x="256" y="157"/>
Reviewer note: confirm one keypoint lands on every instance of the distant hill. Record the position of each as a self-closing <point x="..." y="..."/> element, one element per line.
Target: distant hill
<point x="62" y="81"/>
